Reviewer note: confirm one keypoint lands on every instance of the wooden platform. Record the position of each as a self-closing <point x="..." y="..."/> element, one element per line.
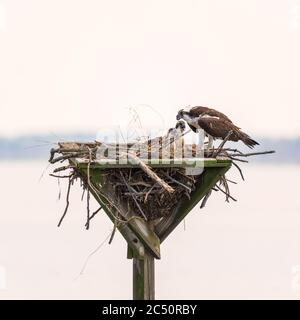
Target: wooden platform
<point x="158" y="163"/>
<point x="143" y="237"/>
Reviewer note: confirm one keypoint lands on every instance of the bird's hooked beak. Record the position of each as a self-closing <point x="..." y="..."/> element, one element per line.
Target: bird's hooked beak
<point x="179" y="115"/>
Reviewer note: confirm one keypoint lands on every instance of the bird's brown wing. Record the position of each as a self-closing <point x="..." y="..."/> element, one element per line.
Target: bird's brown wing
<point x="198" y="111"/>
<point x="218" y="128"/>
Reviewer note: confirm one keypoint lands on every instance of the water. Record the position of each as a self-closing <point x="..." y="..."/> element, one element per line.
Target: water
<point x="245" y="249"/>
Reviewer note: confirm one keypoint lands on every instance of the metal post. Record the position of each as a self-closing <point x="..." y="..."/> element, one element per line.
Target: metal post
<point x="143" y="278"/>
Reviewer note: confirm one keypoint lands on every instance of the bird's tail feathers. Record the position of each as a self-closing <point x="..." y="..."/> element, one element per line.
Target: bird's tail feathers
<point x="248" y="141"/>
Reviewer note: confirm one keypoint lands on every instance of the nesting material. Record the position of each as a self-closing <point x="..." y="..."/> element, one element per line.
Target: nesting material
<point x="146" y="197"/>
<point x="150" y="193"/>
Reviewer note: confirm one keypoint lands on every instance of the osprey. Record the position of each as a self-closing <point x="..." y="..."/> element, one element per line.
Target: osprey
<point x="215" y="124"/>
<point x="175" y="136"/>
<point x="196" y="112"/>
<point x="176" y="132"/>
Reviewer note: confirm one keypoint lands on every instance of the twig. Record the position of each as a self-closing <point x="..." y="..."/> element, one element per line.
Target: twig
<point x="113" y="233"/>
<point x="67" y="204"/>
<point x="148" y="193"/>
<point x="203" y="203"/>
<point x="222" y="144"/>
<point x="83" y="192"/>
<point x="240" y="154"/>
<point x="226" y="193"/>
<point x="240" y="170"/>
<point x="88" y="210"/>
<point x="67" y="156"/>
<point x="237" y="159"/>
<point x="232" y="158"/>
<point x="140" y="183"/>
<point x="93" y="215"/>
<point x="91" y="254"/>
<point x="59" y="189"/>
<point x="178" y="182"/>
<point x="190" y="178"/>
<point x="232" y="150"/>
<point x="230" y="181"/>
<point x="138" y="194"/>
<point x="62" y="168"/>
<point x="133" y="196"/>
<point x="187" y="195"/>
<point x="61" y="177"/>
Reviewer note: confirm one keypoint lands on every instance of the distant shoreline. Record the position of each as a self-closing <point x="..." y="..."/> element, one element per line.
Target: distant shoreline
<point x="31" y="147"/>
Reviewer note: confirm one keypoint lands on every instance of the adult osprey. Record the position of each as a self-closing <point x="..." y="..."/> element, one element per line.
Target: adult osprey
<point x="196" y="112"/>
<point x="215" y="124"/>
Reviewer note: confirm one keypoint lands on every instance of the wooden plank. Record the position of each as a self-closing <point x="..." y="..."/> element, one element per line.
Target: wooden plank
<point x="210" y="176"/>
<point x="161" y="163"/>
<point x="143" y="278"/>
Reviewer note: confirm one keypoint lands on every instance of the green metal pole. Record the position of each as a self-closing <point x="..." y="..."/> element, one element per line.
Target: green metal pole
<point x="143" y="278"/>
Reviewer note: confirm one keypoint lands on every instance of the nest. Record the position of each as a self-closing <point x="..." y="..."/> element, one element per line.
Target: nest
<point x="151" y="193"/>
<point x="145" y="196"/>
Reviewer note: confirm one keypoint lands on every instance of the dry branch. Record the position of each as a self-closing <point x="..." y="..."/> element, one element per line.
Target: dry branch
<point x="150" y="173"/>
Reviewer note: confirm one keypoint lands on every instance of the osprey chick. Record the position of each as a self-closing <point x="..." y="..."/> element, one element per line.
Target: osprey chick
<point x="177" y="131"/>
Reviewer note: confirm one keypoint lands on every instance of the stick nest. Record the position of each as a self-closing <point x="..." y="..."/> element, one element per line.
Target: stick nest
<point x="149" y="193"/>
<point x="146" y="197"/>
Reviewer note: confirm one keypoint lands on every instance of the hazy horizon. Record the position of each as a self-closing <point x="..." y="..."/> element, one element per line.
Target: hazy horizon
<point x="93" y="134"/>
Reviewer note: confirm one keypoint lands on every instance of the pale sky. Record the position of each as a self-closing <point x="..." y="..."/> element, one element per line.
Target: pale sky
<point x="69" y="65"/>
